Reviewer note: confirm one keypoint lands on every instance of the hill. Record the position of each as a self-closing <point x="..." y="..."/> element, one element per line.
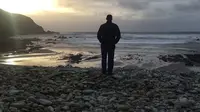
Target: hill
<point x="17" y="24"/>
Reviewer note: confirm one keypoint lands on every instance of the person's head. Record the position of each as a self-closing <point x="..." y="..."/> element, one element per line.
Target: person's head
<point x="109" y="18"/>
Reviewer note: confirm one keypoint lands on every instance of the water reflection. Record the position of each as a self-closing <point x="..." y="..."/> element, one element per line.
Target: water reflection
<point x="10" y="62"/>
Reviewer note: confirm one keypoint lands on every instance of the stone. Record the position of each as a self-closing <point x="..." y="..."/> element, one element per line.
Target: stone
<point x="98" y="110"/>
<point x="117" y="77"/>
<point x="32" y="99"/>
<point x="87" y="92"/>
<point x="58" y="109"/>
<point x="123" y="107"/>
<point x="13" y="109"/>
<point x="50" y="82"/>
<point x="50" y="109"/>
<point x="47" y="90"/>
<point x="19" y="104"/>
<point x="65" y="108"/>
<point x="69" y="97"/>
<point x="86" y="98"/>
<point x="45" y="102"/>
<point x="108" y="93"/>
<point x="73" y="104"/>
<point x="35" y="105"/>
<point x="40" y="95"/>
<point x="131" y="98"/>
<point x="86" y="82"/>
<point x="194" y="91"/>
<point x="102" y="100"/>
<point x="85" y="111"/>
<point x="112" y="99"/>
<point x="154" y="109"/>
<point x="60" y="100"/>
<point x="13" y="92"/>
<point x="1" y="107"/>
<point x="184" y="102"/>
<point x="63" y="95"/>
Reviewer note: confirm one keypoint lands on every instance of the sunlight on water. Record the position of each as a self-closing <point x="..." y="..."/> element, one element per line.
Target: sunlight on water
<point x="33" y="61"/>
<point x="10" y="61"/>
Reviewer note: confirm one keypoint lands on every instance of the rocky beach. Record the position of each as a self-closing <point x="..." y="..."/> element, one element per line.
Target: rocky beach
<point x="52" y="72"/>
<point x="69" y="89"/>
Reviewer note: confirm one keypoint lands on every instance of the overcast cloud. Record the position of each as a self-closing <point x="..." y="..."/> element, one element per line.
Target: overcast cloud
<point x="131" y="15"/>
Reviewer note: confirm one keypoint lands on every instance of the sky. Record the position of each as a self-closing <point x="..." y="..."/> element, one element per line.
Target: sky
<point x="130" y="15"/>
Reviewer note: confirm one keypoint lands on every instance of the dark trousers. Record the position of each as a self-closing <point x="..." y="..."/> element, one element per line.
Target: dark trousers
<point x="107" y="51"/>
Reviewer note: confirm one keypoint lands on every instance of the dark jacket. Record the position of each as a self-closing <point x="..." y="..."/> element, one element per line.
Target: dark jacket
<point x="109" y="34"/>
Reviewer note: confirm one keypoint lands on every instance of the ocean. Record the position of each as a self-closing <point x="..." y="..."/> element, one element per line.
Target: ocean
<point x="145" y="47"/>
<point x="130" y="41"/>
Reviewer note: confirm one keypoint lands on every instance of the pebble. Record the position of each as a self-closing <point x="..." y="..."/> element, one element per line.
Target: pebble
<point x="112" y="99"/>
<point x="18" y="104"/>
<point x="50" y="109"/>
<point x="13" y="109"/>
<point x="123" y="107"/>
<point x="51" y="82"/>
<point x="139" y="91"/>
<point x="32" y="99"/>
<point x="88" y="92"/>
<point x="184" y="102"/>
<point x="108" y="93"/>
<point x="117" y="77"/>
<point x="69" y="96"/>
<point x="131" y="98"/>
<point x="1" y="107"/>
<point x="60" y="100"/>
<point x="98" y="110"/>
<point x="47" y="90"/>
<point x="13" y="92"/>
<point x="65" y="108"/>
<point x="102" y="100"/>
<point x="45" y="102"/>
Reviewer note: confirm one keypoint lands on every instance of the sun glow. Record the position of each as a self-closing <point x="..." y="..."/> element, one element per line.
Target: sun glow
<point x="26" y="6"/>
<point x="30" y="6"/>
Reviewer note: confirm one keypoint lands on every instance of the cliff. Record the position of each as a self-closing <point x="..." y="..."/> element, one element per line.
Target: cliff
<point x="17" y="24"/>
<point x="25" y="25"/>
<point x="6" y="25"/>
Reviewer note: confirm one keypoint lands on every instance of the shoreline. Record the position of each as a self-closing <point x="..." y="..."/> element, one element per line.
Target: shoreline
<point x="84" y="51"/>
<point x="66" y="88"/>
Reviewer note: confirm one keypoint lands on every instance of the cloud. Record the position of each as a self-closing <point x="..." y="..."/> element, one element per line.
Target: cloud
<point x="131" y="15"/>
<point x="190" y="6"/>
<point x="136" y="5"/>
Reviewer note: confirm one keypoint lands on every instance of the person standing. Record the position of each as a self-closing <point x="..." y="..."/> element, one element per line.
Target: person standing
<point x="108" y="35"/>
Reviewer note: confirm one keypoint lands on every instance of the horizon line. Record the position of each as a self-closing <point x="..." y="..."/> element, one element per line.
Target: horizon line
<point x="144" y="32"/>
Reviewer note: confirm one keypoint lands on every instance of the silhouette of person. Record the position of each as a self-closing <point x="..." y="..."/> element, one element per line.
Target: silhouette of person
<point x="108" y="35"/>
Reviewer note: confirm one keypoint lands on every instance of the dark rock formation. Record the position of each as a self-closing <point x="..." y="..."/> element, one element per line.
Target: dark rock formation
<point x="187" y="59"/>
<point x="25" y="25"/>
<point x="6" y="25"/>
<point x="17" y="24"/>
<point x="50" y="32"/>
